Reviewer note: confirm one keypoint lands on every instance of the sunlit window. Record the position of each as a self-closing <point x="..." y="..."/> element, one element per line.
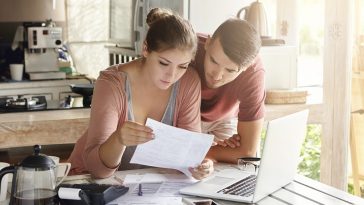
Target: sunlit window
<point x="311" y="38"/>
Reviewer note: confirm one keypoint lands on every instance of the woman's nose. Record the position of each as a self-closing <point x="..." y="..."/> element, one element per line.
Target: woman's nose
<point x="171" y="72"/>
<point x="217" y="74"/>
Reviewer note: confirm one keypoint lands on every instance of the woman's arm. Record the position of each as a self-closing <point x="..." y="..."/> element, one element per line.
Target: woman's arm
<point x="107" y="111"/>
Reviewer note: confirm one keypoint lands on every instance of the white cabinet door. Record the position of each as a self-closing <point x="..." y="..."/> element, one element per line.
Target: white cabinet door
<point x="280" y="63"/>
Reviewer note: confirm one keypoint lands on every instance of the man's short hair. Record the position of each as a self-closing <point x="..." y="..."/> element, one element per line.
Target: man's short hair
<point x="239" y="40"/>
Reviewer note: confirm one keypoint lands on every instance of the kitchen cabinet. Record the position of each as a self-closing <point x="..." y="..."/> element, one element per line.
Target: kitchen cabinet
<point x="280" y="64"/>
<point x="51" y="89"/>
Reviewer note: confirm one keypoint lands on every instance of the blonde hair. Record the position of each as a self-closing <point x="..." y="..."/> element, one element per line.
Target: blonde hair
<point x="169" y="31"/>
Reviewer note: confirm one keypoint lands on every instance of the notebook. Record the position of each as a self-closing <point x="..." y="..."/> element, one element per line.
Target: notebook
<point x="278" y="165"/>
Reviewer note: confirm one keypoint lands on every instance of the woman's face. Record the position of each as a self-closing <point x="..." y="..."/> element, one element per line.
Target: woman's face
<point x="166" y="67"/>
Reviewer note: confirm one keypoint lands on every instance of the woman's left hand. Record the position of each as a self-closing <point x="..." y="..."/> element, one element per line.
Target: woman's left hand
<point x="205" y="169"/>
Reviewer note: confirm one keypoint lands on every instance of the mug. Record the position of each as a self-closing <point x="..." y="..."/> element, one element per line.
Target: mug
<point x="61" y="170"/>
<point x="16" y="71"/>
<point x="4" y="183"/>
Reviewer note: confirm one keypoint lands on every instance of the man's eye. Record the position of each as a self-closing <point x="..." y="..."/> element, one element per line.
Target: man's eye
<point x="213" y="61"/>
<point x="162" y="63"/>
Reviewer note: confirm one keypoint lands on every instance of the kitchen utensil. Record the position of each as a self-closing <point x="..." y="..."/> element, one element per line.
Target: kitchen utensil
<point x="86" y="90"/>
<point x="255" y="14"/>
<point x="34" y="180"/>
<point x="3" y="183"/>
<point x="21" y="103"/>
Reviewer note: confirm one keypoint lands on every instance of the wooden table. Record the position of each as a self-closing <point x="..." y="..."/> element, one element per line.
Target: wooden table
<point x="301" y="191"/>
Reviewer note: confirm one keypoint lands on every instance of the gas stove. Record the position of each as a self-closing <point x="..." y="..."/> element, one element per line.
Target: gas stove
<point x="34" y="103"/>
<point x="9" y="104"/>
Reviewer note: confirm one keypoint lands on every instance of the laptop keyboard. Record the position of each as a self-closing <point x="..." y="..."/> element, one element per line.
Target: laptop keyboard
<point x="244" y="187"/>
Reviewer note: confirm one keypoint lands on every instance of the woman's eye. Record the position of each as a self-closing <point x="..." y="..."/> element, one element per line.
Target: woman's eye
<point x="183" y="67"/>
<point x="162" y="63"/>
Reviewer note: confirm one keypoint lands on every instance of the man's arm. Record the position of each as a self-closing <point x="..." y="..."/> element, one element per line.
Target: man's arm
<point x="249" y="133"/>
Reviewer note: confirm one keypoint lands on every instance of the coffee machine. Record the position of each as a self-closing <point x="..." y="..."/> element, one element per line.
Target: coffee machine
<point x="41" y="52"/>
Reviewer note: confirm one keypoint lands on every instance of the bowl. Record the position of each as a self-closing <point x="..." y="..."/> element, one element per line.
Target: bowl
<point x="83" y="89"/>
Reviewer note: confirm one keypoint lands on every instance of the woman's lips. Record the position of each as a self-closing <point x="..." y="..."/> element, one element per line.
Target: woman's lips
<point x="165" y="82"/>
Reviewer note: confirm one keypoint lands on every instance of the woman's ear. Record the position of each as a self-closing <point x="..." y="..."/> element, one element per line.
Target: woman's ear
<point x="145" y="49"/>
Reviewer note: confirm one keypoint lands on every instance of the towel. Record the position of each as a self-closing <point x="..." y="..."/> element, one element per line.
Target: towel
<point x="18" y="38"/>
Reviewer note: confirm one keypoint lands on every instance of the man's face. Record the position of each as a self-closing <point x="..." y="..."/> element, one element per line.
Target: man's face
<point x="219" y="69"/>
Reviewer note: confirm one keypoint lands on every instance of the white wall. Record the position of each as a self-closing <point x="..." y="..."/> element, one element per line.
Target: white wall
<point x="207" y="15"/>
<point x="87" y="35"/>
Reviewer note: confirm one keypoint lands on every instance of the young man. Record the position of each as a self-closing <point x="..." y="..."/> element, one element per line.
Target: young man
<point x="233" y="93"/>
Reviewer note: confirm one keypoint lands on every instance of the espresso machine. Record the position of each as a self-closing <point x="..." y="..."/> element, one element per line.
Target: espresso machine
<point x="41" y="52"/>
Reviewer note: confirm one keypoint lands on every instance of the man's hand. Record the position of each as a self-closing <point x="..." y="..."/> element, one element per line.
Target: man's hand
<point x="232" y="142"/>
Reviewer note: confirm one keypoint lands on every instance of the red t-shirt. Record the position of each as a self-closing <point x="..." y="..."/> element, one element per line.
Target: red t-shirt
<point x="242" y="97"/>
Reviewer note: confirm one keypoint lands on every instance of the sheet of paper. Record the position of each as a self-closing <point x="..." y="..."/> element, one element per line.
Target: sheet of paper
<point x="173" y="148"/>
<point x="153" y="193"/>
<point x="137" y="200"/>
<point x="158" y="189"/>
<point x="156" y="178"/>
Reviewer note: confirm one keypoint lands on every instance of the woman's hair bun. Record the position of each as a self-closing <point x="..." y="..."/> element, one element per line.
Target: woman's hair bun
<point x="156" y="14"/>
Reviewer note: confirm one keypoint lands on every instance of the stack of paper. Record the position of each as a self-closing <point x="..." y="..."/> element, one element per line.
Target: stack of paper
<point x="173" y="148"/>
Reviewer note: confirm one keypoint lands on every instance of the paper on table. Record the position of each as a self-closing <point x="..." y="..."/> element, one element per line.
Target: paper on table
<point x="137" y="200"/>
<point x="166" y="192"/>
<point x="173" y="148"/>
<point x="156" y="178"/>
<point x="158" y="185"/>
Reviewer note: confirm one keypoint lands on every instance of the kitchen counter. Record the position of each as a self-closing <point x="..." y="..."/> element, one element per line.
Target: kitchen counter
<point x="66" y="126"/>
<point x="42" y="83"/>
<point x="42" y="127"/>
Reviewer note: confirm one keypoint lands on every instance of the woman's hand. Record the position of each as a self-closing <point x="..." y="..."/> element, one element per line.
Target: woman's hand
<point x="232" y="142"/>
<point x="205" y="169"/>
<point x="132" y="133"/>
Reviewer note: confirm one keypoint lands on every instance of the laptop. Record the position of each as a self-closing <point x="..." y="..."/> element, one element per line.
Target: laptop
<point x="278" y="165"/>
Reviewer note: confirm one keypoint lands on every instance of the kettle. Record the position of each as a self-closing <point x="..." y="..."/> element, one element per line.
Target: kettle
<point x="255" y="14"/>
<point x="34" y="180"/>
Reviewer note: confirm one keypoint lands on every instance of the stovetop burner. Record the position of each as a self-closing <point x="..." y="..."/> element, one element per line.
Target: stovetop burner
<point x="8" y="104"/>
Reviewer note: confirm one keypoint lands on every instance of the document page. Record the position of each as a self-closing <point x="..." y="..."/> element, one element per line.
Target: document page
<point x="173" y="148"/>
<point x="156" y="189"/>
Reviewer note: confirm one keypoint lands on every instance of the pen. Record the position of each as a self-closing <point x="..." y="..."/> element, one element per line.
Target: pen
<point x="140" y="191"/>
<point x="118" y="180"/>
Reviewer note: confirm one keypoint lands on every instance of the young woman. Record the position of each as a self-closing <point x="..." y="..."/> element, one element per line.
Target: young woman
<point x="159" y="86"/>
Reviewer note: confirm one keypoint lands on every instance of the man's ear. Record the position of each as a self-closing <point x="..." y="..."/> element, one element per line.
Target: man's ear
<point x="145" y="49"/>
<point x="208" y="41"/>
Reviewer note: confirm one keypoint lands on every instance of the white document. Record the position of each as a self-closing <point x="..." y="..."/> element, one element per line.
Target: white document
<point x="157" y="185"/>
<point x="137" y="200"/>
<point x="173" y="148"/>
<point x="156" y="178"/>
<point x="157" y="189"/>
